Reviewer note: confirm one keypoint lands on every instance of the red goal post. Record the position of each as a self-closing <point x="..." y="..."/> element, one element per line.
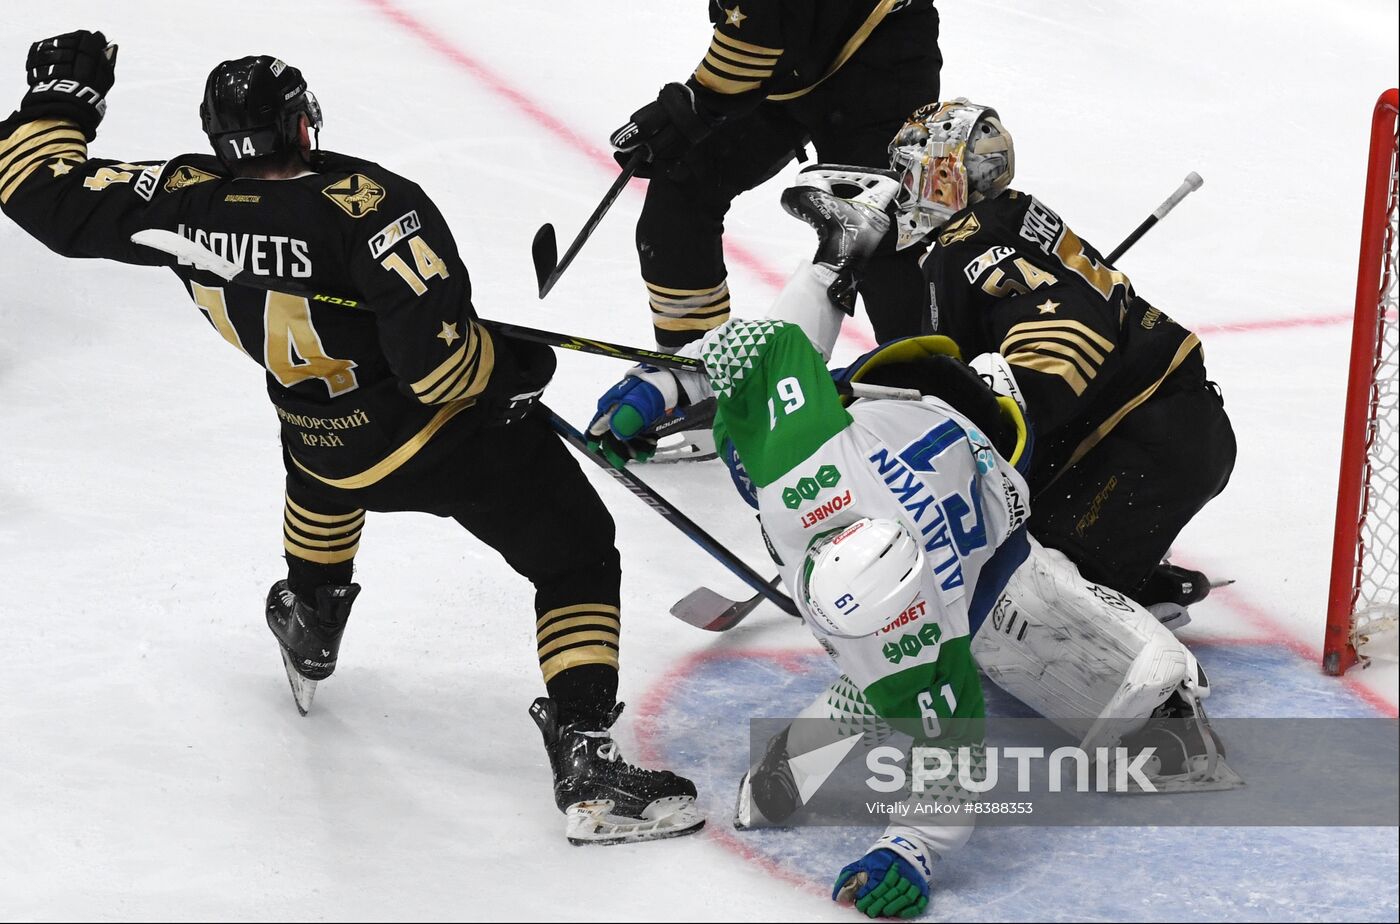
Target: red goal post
<point x="1361" y="604"/>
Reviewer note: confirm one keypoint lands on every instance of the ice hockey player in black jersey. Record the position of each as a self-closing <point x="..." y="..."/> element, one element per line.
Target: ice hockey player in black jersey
<point x="391" y="398"/>
<point x="841" y="74"/>
<point x="1131" y="439"/>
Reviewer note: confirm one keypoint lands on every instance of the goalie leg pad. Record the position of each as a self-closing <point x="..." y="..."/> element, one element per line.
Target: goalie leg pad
<point x="1071" y="649"/>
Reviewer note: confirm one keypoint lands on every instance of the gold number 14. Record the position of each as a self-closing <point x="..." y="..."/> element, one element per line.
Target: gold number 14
<point x="292" y="349"/>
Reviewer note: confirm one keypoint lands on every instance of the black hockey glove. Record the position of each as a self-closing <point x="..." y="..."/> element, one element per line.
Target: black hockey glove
<point x="69" y="77"/>
<point x="529" y="367"/>
<point x="666" y="128"/>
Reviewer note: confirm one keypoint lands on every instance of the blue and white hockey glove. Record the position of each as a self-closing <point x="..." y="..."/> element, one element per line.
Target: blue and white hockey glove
<point x="891" y="881"/>
<point x="628" y="410"/>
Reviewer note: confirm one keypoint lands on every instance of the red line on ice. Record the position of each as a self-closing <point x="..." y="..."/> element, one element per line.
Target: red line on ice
<point x="1281" y="634"/>
<point x="646" y="725"/>
<point x="734" y="250"/>
<point x="541" y="116"/>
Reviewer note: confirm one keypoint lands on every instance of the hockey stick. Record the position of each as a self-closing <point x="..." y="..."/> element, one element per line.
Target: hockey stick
<point x="1189" y="185"/>
<point x="766" y="589"/>
<point x="544" y="248"/>
<point x="203" y="258"/>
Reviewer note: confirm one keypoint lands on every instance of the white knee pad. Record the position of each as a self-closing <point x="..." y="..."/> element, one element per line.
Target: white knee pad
<point x="1077" y="652"/>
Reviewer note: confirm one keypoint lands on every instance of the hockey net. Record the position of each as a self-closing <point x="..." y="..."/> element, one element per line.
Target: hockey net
<point x="1362" y="601"/>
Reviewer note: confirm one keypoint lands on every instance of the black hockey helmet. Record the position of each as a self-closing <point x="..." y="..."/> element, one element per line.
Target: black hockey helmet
<point x="252" y="107"/>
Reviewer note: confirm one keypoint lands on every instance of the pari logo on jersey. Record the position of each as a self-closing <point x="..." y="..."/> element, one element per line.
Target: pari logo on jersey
<point x="403" y="228"/>
<point x="989" y="258"/>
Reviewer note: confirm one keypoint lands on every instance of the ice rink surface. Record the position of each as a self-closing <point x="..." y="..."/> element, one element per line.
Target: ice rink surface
<point x="151" y="762"/>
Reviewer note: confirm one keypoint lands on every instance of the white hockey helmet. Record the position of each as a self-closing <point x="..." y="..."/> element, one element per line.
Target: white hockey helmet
<point x="859" y="579"/>
<point x="949" y="155"/>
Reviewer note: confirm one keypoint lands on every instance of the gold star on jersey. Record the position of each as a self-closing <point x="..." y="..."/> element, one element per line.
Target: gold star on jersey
<point x="449" y="333"/>
<point x="1048" y="307"/>
<point x="735" y="17"/>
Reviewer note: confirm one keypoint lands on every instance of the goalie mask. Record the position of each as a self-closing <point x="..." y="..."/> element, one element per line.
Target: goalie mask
<point x="857" y="580"/>
<point x="949" y="155"/>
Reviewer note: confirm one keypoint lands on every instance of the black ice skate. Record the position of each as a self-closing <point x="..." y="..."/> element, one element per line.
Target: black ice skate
<point x="768" y="794"/>
<point x="849" y="209"/>
<point x="309" y="637"/>
<point x="605" y="799"/>
<point x="1171" y="589"/>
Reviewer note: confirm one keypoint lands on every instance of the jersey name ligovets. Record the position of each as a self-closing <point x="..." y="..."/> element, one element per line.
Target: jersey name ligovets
<point x="361" y="380"/>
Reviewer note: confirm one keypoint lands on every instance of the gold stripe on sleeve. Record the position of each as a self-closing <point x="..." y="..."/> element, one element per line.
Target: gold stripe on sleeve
<point x="1068" y="326"/>
<point x="728" y="86"/>
<point x="1050" y="365"/>
<point x="735" y="57"/>
<point x="721" y="42"/>
<point x="12" y="152"/>
<point x="719" y="65"/>
<point x="17" y="174"/>
<point x="1086" y="365"/>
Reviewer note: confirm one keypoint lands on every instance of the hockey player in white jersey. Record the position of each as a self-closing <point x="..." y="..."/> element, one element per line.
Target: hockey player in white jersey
<point x="897" y="514"/>
<point x="885" y="516"/>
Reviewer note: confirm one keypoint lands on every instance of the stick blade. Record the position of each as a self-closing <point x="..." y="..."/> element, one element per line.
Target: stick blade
<point x="184" y="249"/>
<point x="711" y="611"/>
<point x="544" y="250"/>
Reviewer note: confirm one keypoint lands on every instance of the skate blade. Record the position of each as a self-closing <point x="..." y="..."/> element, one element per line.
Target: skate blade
<point x="303" y="690"/>
<point x="747" y="817"/>
<point x="743" y="806"/>
<point x="1197" y="780"/>
<point x="1172" y="615"/>
<point x="591" y="824"/>
<point x="686" y="446"/>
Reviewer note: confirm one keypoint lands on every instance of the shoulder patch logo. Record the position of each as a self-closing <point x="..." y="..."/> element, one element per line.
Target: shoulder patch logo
<point x="960" y="230"/>
<point x="146" y="183"/>
<point x="357" y="195"/>
<point x="405" y="226"/>
<point x="184" y="176"/>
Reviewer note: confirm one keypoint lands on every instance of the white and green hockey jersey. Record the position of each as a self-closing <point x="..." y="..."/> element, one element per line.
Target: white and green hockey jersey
<point x="818" y="465"/>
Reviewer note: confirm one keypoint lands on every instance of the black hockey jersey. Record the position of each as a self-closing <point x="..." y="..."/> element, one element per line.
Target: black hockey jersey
<point x="358" y="390"/>
<point x="781" y="49"/>
<point x="1008" y="275"/>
